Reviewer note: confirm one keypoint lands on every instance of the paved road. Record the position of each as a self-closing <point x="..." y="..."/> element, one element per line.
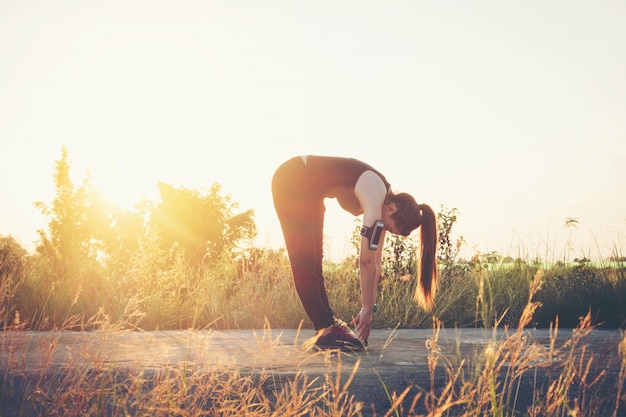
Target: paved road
<point x="395" y="359"/>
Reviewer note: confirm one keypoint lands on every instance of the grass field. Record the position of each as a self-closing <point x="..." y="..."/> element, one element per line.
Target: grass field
<point x="147" y="293"/>
<point x="565" y="379"/>
<point x="155" y="291"/>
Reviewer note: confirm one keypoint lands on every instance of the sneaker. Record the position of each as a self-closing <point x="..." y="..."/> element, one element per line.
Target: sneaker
<point x="340" y="338"/>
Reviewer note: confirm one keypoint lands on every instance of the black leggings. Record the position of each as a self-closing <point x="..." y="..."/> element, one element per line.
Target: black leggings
<point x="300" y="209"/>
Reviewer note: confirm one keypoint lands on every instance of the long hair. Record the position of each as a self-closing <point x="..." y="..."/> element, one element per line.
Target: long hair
<point x="409" y="217"/>
<point x="427" y="280"/>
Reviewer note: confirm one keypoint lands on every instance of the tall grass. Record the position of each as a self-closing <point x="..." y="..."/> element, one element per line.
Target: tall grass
<point x="152" y="290"/>
<point x="155" y="290"/>
<point x="511" y="375"/>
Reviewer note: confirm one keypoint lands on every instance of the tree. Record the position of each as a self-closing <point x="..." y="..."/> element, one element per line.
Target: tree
<point x="79" y="220"/>
<point x="203" y="225"/>
<point x="13" y="260"/>
<point x="12" y="257"/>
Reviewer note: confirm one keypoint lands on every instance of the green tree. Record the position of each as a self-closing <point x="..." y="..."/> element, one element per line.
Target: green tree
<point x="79" y="219"/>
<point x="205" y="226"/>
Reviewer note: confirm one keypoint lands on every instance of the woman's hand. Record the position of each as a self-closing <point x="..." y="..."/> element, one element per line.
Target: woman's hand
<point x="363" y="324"/>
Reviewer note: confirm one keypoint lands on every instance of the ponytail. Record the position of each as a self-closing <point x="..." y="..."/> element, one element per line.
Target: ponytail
<point x="427" y="279"/>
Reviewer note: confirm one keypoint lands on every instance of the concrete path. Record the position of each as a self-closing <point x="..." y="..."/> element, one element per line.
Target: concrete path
<point x="394" y="360"/>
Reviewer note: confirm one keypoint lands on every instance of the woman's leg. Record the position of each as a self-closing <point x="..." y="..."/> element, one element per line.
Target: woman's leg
<point x="301" y="215"/>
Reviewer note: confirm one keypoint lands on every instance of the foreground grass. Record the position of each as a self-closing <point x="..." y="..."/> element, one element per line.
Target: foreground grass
<point x="153" y="291"/>
<point x="565" y="379"/>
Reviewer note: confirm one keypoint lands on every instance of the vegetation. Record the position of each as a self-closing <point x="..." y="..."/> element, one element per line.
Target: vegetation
<point x="186" y="262"/>
<point x="510" y="375"/>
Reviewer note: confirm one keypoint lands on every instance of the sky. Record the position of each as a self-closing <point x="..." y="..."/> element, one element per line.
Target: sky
<point x="512" y="112"/>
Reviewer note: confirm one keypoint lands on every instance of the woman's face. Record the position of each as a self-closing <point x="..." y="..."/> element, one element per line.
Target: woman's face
<point x="390" y="224"/>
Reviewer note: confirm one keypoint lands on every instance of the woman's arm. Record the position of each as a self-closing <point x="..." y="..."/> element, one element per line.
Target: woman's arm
<point x="371" y="192"/>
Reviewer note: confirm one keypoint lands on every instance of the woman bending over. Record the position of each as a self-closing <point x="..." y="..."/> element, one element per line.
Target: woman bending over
<point x="299" y="187"/>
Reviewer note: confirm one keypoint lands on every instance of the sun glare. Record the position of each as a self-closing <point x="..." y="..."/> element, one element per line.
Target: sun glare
<point x="115" y="183"/>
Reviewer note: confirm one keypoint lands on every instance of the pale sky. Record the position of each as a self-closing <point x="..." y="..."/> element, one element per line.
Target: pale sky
<point x="512" y="112"/>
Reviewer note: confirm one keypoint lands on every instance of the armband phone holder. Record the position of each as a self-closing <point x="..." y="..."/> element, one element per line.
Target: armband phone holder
<point x="373" y="233"/>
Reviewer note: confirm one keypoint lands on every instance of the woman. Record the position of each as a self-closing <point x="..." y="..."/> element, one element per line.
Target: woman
<point x="299" y="188"/>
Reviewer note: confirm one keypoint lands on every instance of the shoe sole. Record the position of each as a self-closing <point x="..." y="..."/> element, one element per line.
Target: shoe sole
<point x="341" y="348"/>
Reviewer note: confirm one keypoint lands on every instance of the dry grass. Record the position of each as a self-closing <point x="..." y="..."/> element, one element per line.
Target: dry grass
<point x="563" y="376"/>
